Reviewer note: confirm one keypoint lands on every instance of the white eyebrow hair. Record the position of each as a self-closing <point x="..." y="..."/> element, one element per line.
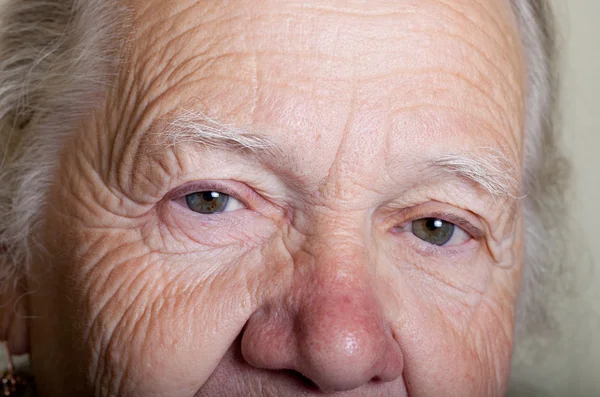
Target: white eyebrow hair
<point x="191" y="127"/>
<point x="490" y="169"/>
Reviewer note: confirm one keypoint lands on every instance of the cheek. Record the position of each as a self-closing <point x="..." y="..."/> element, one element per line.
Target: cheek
<point x="457" y="317"/>
<point x="149" y="305"/>
<point x="443" y="359"/>
<point x="153" y="321"/>
<point x="454" y="283"/>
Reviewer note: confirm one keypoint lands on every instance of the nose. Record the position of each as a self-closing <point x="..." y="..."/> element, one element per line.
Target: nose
<point x="331" y="329"/>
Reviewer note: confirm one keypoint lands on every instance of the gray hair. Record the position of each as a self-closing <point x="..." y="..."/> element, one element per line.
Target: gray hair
<point x="56" y="56"/>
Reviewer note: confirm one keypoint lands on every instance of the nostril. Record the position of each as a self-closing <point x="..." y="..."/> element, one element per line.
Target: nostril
<point x="308" y="385"/>
<point x="378" y="380"/>
<point x="303" y="381"/>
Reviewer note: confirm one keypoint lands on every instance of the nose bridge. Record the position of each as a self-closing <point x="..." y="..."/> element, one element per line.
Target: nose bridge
<point x="333" y="258"/>
<point x="341" y="233"/>
<point x="337" y="263"/>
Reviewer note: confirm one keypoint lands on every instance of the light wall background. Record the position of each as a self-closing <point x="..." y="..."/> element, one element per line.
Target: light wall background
<point x="576" y="370"/>
<point x="573" y="367"/>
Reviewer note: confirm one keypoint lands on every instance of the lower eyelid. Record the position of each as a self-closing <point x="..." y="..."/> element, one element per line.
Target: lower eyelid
<point x="448" y="250"/>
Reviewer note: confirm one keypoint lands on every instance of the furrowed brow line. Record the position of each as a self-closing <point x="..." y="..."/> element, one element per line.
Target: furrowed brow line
<point x="194" y="128"/>
<point x="491" y="170"/>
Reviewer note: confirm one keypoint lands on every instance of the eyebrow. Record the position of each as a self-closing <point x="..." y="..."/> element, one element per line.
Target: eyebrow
<point x="196" y="128"/>
<point x="489" y="168"/>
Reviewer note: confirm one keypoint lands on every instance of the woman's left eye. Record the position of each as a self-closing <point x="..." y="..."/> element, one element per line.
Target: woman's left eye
<point x="212" y="202"/>
<point x="438" y="232"/>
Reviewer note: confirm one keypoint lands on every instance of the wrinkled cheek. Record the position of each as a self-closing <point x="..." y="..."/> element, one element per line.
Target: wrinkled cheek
<point x="446" y="357"/>
<point x="445" y="364"/>
<point x="164" y="329"/>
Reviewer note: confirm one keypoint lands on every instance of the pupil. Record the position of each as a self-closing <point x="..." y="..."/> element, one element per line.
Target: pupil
<point x="434" y="224"/>
<point x="209" y="196"/>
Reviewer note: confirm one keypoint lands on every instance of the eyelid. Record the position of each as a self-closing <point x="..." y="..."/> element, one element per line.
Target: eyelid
<point x="210" y="185"/>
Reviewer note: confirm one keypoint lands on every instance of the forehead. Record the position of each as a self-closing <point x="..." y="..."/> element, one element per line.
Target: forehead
<point x="402" y="73"/>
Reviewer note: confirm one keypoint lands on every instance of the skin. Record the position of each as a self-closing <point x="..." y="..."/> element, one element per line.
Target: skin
<point x="315" y="286"/>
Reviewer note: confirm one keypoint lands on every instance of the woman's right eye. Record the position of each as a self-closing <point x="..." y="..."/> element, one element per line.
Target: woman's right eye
<point x="212" y="202"/>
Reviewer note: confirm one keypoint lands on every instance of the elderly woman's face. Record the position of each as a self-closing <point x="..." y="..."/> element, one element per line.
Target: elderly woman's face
<point x="290" y="198"/>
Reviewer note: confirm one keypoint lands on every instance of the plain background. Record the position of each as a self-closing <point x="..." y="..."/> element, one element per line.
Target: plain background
<point x="573" y="368"/>
<point x="577" y="371"/>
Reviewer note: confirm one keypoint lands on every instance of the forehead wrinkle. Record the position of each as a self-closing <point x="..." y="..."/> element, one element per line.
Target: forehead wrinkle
<point x="170" y="49"/>
<point x="501" y="41"/>
<point x="503" y="44"/>
<point x="211" y="76"/>
<point x="437" y="73"/>
<point x="491" y="16"/>
<point x="149" y="26"/>
<point x="453" y="127"/>
<point x="313" y="53"/>
<point x="250" y="17"/>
